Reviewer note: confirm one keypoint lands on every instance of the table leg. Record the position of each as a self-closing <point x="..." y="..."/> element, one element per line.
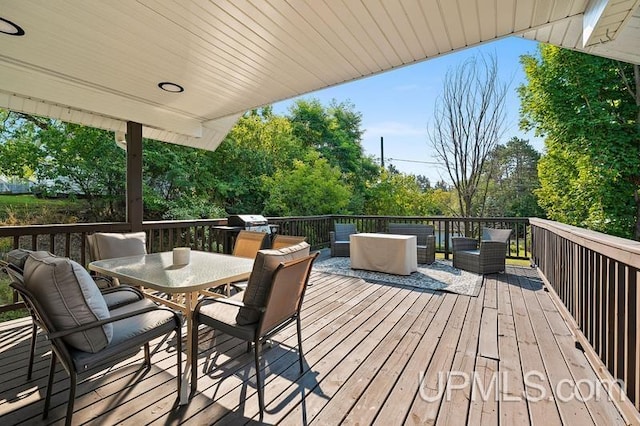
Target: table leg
<point x="190" y="301"/>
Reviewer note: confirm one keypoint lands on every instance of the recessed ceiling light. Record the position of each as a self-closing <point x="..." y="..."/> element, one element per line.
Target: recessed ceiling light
<point x="8" y="27"/>
<point x="171" y="87"/>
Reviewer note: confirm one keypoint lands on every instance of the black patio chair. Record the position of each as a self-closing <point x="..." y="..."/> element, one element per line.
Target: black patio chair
<point x="278" y="290"/>
<point x="426" y="240"/>
<point x="98" y="337"/>
<point x="115" y="297"/>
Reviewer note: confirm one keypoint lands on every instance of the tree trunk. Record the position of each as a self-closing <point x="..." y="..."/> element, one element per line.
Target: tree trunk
<point x="468" y="204"/>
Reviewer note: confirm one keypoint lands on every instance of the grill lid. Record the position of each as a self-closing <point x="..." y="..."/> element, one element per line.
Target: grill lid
<point x="246" y="220"/>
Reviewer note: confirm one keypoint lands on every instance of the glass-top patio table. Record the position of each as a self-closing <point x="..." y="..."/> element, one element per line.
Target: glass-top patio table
<point x="183" y="282"/>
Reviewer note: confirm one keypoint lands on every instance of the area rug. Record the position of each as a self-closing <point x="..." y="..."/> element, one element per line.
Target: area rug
<point x="440" y="275"/>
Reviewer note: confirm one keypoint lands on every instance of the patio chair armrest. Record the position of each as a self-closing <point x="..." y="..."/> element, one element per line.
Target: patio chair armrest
<point x="100" y="323"/>
<point x="10" y="269"/>
<point x="227" y="301"/>
<point x="332" y="237"/>
<point x="431" y="240"/>
<point x="108" y="281"/>
<point x="121" y="287"/>
<point x="464" y="243"/>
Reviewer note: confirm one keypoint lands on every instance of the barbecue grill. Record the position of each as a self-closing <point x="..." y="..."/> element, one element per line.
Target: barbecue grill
<point x="249" y="222"/>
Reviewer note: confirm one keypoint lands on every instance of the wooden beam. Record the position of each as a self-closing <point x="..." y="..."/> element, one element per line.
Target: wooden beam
<point x="134" y="176"/>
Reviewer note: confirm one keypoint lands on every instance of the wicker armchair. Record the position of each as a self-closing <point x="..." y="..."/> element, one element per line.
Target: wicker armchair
<point x="425" y="235"/>
<point x="486" y="258"/>
<point x="340" y="245"/>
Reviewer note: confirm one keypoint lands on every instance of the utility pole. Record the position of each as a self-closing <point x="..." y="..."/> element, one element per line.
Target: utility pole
<point x="382" y="151"/>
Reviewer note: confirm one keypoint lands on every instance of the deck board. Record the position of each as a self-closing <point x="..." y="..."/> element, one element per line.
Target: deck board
<point x="365" y="345"/>
<point x="572" y="410"/>
<point x="542" y="411"/>
<point x="513" y="409"/>
<point x="455" y="409"/>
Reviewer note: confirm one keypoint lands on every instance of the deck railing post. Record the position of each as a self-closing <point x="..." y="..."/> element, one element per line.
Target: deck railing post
<point x="447" y="230"/>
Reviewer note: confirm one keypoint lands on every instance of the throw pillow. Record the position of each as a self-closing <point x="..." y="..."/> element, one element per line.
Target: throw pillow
<point x="105" y="245"/>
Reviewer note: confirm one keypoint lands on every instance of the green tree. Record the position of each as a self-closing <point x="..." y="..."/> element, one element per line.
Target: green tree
<point x="397" y="194"/>
<point x="513" y="180"/>
<point x="423" y="182"/>
<point x="177" y="182"/>
<point x="588" y="108"/>
<point x="311" y="187"/>
<point x="71" y="162"/>
<point x="335" y="132"/>
<point x="19" y="154"/>
<point x="63" y="157"/>
<point x="258" y="145"/>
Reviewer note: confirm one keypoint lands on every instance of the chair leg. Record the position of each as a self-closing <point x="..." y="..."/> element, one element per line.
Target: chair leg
<point x="194" y="358"/>
<point x="147" y="355"/>
<point x="32" y="354"/>
<point x="179" y="355"/>
<point x="299" y="343"/>
<point x="73" y="382"/>
<point x="47" y="399"/>
<point x="259" y="378"/>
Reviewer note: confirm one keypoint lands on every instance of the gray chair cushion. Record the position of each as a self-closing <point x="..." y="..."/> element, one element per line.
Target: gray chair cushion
<point x="105" y="245"/>
<point x="18" y="257"/>
<point x="224" y="318"/>
<point x="128" y="333"/>
<point x="419" y="230"/>
<point x="491" y="234"/>
<point x="343" y="230"/>
<point x="260" y="279"/>
<point x="122" y="296"/>
<point x="69" y="297"/>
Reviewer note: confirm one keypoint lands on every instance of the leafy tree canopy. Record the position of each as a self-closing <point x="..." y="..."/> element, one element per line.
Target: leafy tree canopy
<point x="513" y="180"/>
<point x="586" y="107"/>
<point x="396" y="194"/>
<point x="312" y="187"/>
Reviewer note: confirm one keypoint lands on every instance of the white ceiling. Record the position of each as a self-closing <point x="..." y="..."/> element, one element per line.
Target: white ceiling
<point x="99" y="62"/>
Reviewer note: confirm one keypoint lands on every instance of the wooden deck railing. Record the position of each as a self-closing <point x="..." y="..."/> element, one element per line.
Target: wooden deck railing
<point x="69" y="240"/>
<point x="317" y="228"/>
<point x="596" y="278"/>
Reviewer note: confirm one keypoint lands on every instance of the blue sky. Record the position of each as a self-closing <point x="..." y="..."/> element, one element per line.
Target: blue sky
<point x="398" y="104"/>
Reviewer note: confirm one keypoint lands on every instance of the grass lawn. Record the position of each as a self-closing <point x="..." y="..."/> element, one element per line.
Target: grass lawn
<point x="27" y="209"/>
<point x="30" y="201"/>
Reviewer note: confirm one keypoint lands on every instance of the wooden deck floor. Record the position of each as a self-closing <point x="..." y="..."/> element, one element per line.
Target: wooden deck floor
<point x="366" y="346"/>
